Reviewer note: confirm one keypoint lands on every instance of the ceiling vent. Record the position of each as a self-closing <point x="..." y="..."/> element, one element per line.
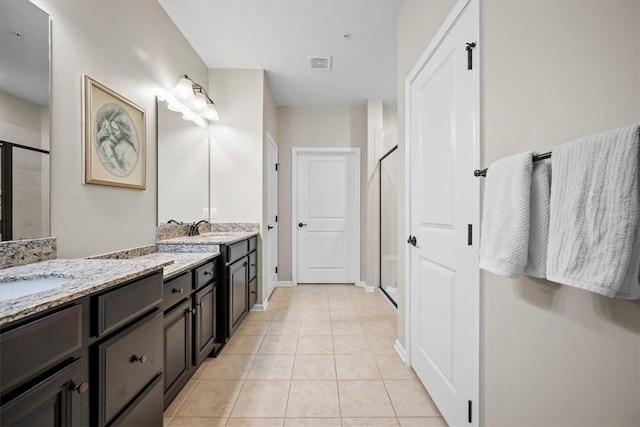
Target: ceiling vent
<point x="320" y="63"/>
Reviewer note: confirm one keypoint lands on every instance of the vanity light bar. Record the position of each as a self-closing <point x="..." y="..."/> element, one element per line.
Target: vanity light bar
<point x="189" y="91"/>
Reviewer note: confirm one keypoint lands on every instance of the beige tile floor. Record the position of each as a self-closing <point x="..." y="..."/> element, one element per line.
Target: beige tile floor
<point x="321" y="355"/>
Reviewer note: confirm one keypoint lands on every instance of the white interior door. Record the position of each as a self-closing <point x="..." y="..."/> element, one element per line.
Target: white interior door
<point x="443" y="113"/>
<point x="272" y="220"/>
<point x="327" y="216"/>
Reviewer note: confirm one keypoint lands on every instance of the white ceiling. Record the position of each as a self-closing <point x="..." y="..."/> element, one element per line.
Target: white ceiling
<point x="280" y="35"/>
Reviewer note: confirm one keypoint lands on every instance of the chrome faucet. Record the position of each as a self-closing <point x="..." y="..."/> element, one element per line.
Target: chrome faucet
<point x="193" y="228"/>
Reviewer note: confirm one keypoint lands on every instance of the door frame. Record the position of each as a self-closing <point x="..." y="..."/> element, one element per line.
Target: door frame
<point x="475" y="216"/>
<point x="272" y="143"/>
<point x="295" y="152"/>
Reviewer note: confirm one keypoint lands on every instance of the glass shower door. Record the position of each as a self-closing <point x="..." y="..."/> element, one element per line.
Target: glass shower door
<point x="389" y="225"/>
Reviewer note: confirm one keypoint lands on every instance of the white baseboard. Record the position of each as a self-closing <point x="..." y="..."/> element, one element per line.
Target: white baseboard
<point x="260" y="307"/>
<point x="285" y="283"/>
<point x="401" y="352"/>
<point x="366" y="287"/>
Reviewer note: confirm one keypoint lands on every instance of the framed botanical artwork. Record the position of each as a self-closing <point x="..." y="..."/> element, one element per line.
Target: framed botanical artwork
<point x="114" y="138"/>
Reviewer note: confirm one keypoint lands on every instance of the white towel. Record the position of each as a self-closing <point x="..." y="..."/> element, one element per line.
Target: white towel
<point x="594" y="240"/>
<point x="505" y="220"/>
<point x="538" y="222"/>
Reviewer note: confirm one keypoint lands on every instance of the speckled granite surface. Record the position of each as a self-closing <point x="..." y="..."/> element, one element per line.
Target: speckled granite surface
<point x="181" y="261"/>
<point x="88" y="276"/>
<point x="127" y="253"/>
<point x="171" y="231"/>
<point x="185" y="248"/>
<point x="225" y="238"/>
<point x="21" y="252"/>
<point x="225" y="227"/>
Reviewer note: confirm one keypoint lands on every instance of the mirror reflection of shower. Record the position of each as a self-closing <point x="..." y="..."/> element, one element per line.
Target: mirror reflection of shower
<point x="389" y="170"/>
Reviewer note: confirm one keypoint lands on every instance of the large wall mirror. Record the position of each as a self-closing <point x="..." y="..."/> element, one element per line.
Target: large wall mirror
<point x="24" y="120"/>
<point x="183" y="167"/>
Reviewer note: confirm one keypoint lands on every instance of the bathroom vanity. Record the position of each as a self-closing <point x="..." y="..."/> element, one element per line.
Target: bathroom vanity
<point x="86" y="352"/>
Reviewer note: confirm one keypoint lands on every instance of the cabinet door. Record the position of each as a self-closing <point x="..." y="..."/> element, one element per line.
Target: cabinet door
<point x="238" y="281"/>
<point x="205" y="322"/>
<point x="52" y="402"/>
<point x="177" y="349"/>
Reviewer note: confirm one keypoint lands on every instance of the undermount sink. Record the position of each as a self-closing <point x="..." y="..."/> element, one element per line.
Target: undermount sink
<point x="16" y="287"/>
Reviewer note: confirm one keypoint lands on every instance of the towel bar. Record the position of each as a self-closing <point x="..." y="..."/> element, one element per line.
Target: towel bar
<point x="483" y="172"/>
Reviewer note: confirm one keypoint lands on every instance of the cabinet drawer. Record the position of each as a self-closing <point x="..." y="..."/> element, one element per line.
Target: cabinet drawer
<point x="117" y="307"/>
<point x="127" y="363"/>
<point x="237" y="251"/>
<point x="253" y="243"/>
<point x="29" y="349"/>
<point x="253" y="265"/>
<point x="205" y="274"/>
<point x="176" y="290"/>
<point x="253" y="293"/>
<point x="146" y="410"/>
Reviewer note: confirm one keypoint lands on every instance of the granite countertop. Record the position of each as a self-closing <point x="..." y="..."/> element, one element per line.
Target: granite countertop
<point x="182" y="261"/>
<point x="86" y="276"/>
<point x="216" y="238"/>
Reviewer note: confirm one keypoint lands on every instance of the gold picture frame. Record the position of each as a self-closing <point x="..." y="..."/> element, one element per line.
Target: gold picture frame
<point x="115" y="143"/>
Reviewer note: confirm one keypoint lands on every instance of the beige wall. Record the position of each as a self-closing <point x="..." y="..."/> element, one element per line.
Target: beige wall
<point x="135" y="49"/>
<point x="554" y="71"/>
<point x="314" y="127"/>
<point x="417" y="23"/>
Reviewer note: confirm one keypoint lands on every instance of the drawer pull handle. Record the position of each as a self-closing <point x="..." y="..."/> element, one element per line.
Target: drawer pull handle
<point x="141" y="359"/>
<point x="81" y="388"/>
<point x="178" y="291"/>
<point x="208" y="273"/>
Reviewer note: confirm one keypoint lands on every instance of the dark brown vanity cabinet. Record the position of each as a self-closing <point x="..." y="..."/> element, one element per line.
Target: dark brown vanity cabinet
<point x="53" y="401"/>
<point x="190" y="325"/>
<point x="242" y="269"/>
<point x="93" y="361"/>
<point x="178" y="341"/>
<point x="205" y="322"/>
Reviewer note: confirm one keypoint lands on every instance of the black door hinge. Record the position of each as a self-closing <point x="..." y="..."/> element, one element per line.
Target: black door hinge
<point x="470" y="411"/>
<point x="276" y="269"/>
<point x="276" y="218"/>
<point x="470" y="47"/>
<point x="469" y="234"/>
<point x="277" y="164"/>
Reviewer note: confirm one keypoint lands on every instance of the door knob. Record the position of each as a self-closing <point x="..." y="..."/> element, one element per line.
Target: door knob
<point x="412" y="240"/>
<point x="301" y="224"/>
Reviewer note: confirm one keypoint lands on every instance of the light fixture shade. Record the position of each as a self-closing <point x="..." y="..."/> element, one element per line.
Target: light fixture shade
<point x="200" y="102"/>
<point x="184" y="89"/>
<point x="211" y="113"/>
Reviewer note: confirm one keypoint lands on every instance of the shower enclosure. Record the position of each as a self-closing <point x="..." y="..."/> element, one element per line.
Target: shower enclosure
<point x="24" y="192"/>
<point x="389" y="225"/>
